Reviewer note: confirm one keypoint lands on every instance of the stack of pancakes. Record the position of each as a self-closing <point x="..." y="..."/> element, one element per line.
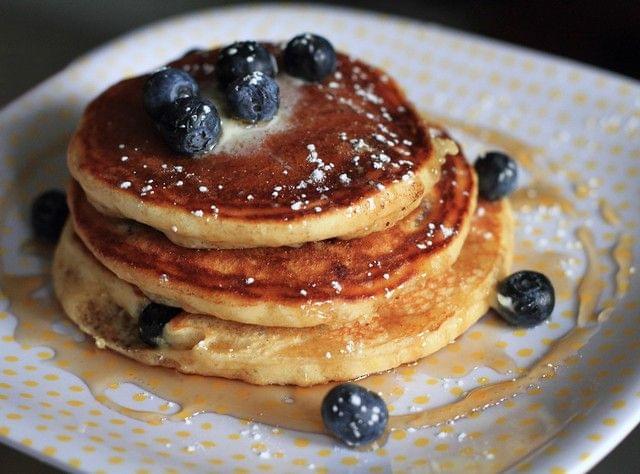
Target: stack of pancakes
<point x="340" y="239"/>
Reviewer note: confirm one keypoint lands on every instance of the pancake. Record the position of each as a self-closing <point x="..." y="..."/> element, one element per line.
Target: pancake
<point x="343" y="158"/>
<point x="328" y="282"/>
<point x="410" y="326"/>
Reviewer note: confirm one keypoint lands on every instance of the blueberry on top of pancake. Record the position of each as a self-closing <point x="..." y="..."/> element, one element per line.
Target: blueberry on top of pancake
<point x="343" y="157"/>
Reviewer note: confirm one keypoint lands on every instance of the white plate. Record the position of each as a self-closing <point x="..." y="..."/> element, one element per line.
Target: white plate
<point x="586" y="125"/>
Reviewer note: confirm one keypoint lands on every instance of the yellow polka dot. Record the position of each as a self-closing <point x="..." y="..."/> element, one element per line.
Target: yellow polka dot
<point x="456" y="391"/>
<point x="421" y="400"/>
<point x="75" y="403"/>
<point x="525" y="352"/>
<point x="609" y="422"/>
<point x="51" y="377"/>
<point x="323" y="453"/>
<point x="49" y="450"/>
<point x="349" y="461"/>
<point x="139" y="397"/>
<point x="301" y="442"/>
<point x="421" y="442"/>
<point x="557" y="470"/>
<point x="594" y="437"/>
<point x="183" y="434"/>
<point x="618" y="404"/>
<point x="239" y="457"/>
<point x="116" y="460"/>
<point x="399" y="434"/>
<point x="442" y="447"/>
<point x="11" y="358"/>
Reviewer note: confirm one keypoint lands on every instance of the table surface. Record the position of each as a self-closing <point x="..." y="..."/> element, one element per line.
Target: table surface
<point x="38" y="38"/>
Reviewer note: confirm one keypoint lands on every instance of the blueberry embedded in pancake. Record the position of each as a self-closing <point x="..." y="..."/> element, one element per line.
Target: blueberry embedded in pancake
<point x="342" y="157"/>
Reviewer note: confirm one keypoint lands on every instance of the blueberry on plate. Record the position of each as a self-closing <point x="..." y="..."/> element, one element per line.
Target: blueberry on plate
<point x="310" y="57"/>
<point x="49" y="212"/>
<point x="242" y="58"/>
<point x="191" y="126"/>
<point x="164" y="87"/>
<point x="497" y="175"/>
<point x="354" y="415"/>
<point x="254" y="98"/>
<point x="525" y="298"/>
<point x="152" y="320"/>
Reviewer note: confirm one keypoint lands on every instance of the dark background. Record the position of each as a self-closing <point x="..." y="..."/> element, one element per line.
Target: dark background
<point x="38" y="38"/>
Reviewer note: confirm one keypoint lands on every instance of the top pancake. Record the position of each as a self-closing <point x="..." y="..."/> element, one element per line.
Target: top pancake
<point x="343" y="158"/>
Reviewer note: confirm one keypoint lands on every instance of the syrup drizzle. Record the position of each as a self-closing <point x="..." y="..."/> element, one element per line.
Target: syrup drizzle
<point x="608" y="212"/>
<point x="623" y="255"/>
<point x="591" y="285"/>
<point x="523" y="152"/>
<point x="490" y="395"/>
<point x="538" y="194"/>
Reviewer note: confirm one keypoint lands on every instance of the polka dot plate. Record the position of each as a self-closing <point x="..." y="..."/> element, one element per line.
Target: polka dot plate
<point x="581" y="128"/>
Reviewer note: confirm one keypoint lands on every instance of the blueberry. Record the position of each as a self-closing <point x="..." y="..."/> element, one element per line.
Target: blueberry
<point x="254" y="97"/>
<point x="164" y="87"/>
<point x="191" y="125"/>
<point x="497" y="175"/>
<point x="152" y="320"/>
<point x="309" y="57"/>
<point x="242" y="58"/>
<point x="353" y="414"/>
<point x="48" y="214"/>
<point x="525" y="298"/>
